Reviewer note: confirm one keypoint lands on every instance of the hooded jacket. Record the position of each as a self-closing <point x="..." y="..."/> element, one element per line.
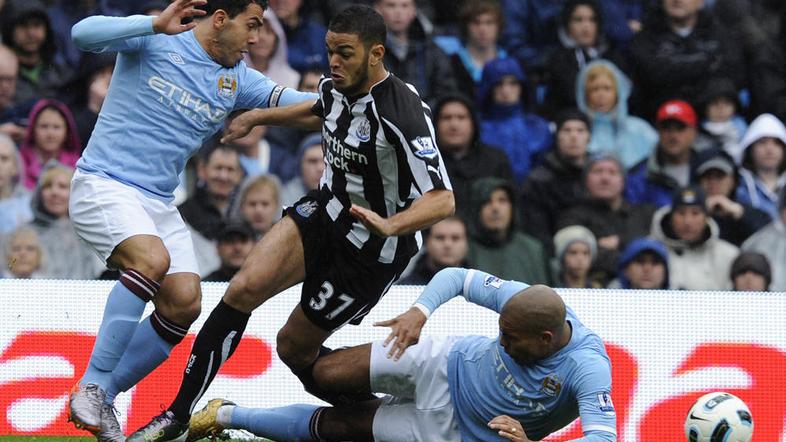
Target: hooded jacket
<point x="15" y="210"/>
<point x="752" y="189"/>
<point x="480" y="161"/>
<point x="695" y="266"/>
<point x="630" y="138"/>
<point x="634" y="249"/>
<point x="70" y="151"/>
<point x="521" y="135"/>
<point x="516" y="255"/>
<point x="771" y="242"/>
<point x="648" y="182"/>
<point x="65" y="255"/>
<point x="278" y="68"/>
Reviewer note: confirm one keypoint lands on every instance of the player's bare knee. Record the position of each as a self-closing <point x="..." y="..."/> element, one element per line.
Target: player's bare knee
<point x="188" y="313"/>
<point x="153" y="265"/>
<point x="291" y="353"/>
<point x="242" y="293"/>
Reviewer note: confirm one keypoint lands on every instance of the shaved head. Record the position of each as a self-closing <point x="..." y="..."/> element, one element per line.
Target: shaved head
<point x="536" y="309"/>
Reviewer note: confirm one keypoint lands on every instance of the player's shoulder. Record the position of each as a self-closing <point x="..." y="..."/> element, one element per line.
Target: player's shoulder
<point x="398" y="102"/>
<point x="325" y="86"/>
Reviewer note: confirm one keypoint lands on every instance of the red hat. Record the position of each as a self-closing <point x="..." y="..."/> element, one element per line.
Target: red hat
<point x="677" y="110"/>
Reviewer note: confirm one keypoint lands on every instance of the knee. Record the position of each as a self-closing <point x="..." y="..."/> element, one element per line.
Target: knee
<point x="153" y="264"/>
<point x="291" y="353"/>
<point x="243" y="294"/>
<point x="190" y="311"/>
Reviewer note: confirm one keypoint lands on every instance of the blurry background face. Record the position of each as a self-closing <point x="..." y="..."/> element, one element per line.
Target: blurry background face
<point x="583" y="26"/>
<point x="572" y="139"/>
<point x="483" y="30"/>
<point x="577" y="258"/>
<point x="25" y="254"/>
<point x="50" y="131"/>
<point x="676" y="138"/>
<point x="309" y="82"/>
<point x="601" y="93"/>
<point x="768" y="153"/>
<point x="508" y="91"/>
<point x="682" y="9"/>
<point x="234" y="249"/>
<point x="716" y="182"/>
<point x="29" y="35"/>
<point x="8" y="168"/>
<point x="398" y="14"/>
<point x="259" y="208"/>
<point x="9" y="69"/>
<point x="497" y="213"/>
<point x="720" y="109"/>
<point x="447" y="244"/>
<point x="646" y="272"/>
<point x="286" y="9"/>
<point x="750" y="282"/>
<point x="222" y="173"/>
<point x="688" y="223"/>
<point x="454" y="125"/>
<point x="311" y="166"/>
<point x="54" y="194"/>
<point x="251" y="141"/>
<point x="604" y="180"/>
<point x="265" y="47"/>
<point x="99" y="87"/>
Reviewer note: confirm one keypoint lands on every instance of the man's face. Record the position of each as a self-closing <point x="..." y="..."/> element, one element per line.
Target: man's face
<point x="29" y="35"/>
<point x="572" y="139"/>
<point x="716" y="182"/>
<point x="508" y="91"/>
<point x="577" y="258"/>
<point x="688" y="222"/>
<point x="682" y="9"/>
<point x="605" y="181"/>
<point x="8" y="167"/>
<point x="497" y="213"/>
<point x="237" y="34"/>
<point x="646" y="272"/>
<point x="447" y="244"/>
<point x="676" y="138"/>
<point x="286" y="9"/>
<point x="525" y="348"/>
<point x="750" y="282"/>
<point x="454" y="126"/>
<point x="483" y="30"/>
<point x="9" y="68"/>
<point x="312" y="165"/>
<point x="349" y="62"/>
<point x="25" y="255"/>
<point x="398" y="14"/>
<point x="259" y="208"/>
<point x="234" y="249"/>
<point x="222" y="173"/>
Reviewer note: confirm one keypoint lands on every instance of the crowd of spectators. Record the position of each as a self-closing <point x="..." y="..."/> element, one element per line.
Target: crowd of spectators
<point x="634" y="144"/>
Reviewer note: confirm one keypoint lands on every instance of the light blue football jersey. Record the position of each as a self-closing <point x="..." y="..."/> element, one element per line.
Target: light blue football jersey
<point x="486" y="382"/>
<point x="167" y="96"/>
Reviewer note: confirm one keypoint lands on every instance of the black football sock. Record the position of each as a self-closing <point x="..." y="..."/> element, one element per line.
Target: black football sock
<point x="214" y="344"/>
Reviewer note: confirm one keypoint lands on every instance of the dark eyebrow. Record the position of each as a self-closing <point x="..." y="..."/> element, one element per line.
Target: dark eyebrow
<point x="256" y="19"/>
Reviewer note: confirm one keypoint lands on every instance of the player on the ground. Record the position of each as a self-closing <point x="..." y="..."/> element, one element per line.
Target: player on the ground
<point x="348" y="241"/>
<point x="543" y="370"/>
<point x="168" y="94"/>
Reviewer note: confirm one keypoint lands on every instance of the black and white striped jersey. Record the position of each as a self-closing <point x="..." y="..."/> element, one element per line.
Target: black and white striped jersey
<point x="381" y="154"/>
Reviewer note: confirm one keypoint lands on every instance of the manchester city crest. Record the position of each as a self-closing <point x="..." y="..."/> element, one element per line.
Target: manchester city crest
<point x="227" y="85"/>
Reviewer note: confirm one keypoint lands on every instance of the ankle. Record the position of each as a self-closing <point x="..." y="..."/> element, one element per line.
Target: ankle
<point x="224" y="415"/>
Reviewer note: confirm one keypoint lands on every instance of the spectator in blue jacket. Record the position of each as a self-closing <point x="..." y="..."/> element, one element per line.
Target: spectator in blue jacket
<point x="763" y="172"/>
<point x="305" y="38"/>
<point x="643" y="265"/>
<point x="504" y="120"/>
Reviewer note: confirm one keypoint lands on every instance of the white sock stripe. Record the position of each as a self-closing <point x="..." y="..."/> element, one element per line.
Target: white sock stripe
<point x="166" y="321"/>
<point x="151" y="294"/>
<point x="172" y="328"/>
<point x="204" y="384"/>
<point x="152" y="285"/>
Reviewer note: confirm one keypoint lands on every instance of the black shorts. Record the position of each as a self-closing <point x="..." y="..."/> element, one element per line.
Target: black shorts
<point x="340" y="286"/>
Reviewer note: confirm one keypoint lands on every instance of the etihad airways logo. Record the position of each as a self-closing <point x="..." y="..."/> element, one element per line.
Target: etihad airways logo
<point x="185" y="102"/>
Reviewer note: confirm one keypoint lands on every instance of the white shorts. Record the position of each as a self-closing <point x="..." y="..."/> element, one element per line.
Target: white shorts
<point x="419" y="408"/>
<point x="106" y="212"/>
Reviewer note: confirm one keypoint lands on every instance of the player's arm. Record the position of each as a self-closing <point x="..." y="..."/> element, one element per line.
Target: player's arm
<point x="593" y="393"/>
<point x="433" y="206"/>
<point x="99" y="33"/>
<point x="296" y="115"/>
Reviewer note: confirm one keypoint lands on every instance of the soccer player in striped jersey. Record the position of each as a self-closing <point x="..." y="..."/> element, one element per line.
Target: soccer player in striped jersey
<point x="348" y="241"/>
<point x="168" y="94"/>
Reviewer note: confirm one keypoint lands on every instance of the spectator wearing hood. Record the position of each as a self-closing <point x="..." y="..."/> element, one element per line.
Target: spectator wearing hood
<point x="581" y="41"/>
<point x="411" y="53"/>
<point x="66" y="256"/>
<point x="51" y="136"/>
<point x="604" y="210"/>
<point x="311" y="165"/>
<point x="771" y="242"/>
<point x="446" y="246"/>
<point x="717" y="176"/>
<point x="523" y="136"/>
<point x="643" y="265"/>
<point x="679" y="48"/>
<point x="697" y="255"/>
<point x="751" y="272"/>
<point x="654" y="180"/>
<point x="576" y="249"/>
<point x="23" y="255"/>
<point x="496" y="246"/>
<point x="26" y="29"/>
<point x="14" y="197"/>
<point x="90" y="87"/>
<point x="466" y="157"/>
<point x="763" y="172"/>
<point x="305" y="38"/>
<point x="602" y="92"/>
<point x="721" y="120"/>
<point x="557" y="184"/>
<point x="269" y="54"/>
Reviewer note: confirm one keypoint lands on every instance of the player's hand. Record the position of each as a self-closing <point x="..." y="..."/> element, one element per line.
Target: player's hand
<point x="508" y="428"/>
<point x="376" y="224"/>
<point x="239" y="126"/>
<point x="405" y="331"/>
<point x="169" y="22"/>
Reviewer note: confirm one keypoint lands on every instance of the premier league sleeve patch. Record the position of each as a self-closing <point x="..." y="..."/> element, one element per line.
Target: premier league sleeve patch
<point x="424" y="147"/>
<point x="492" y="281"/>
<point x="605" y="404"/>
